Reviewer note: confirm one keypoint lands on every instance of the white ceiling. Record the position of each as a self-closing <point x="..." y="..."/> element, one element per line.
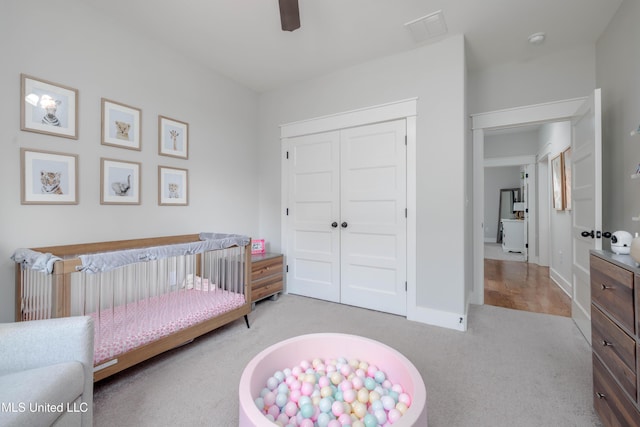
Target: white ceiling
<point x="242" y="39"/>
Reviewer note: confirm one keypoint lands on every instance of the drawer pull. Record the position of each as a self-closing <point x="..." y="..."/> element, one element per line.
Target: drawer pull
<point x="606" y="344"/>
<point x="600" y="395"/>
<point x="603" y="286"/>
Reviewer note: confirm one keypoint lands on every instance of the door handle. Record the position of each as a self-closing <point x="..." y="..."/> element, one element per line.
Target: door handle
<point x="344" y="224"/>
<point x="334" y="224"/>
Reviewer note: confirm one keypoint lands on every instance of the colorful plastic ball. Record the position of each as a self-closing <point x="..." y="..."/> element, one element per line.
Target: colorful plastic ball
<point x="303" y="401"/>
<point x="259" y="403"/>
<point x="370" y="421"/>
<point x="290" y="409"/>
<point x="363" y="395"/>
<point x="393" y="416"/>
<point x="381" y="416"/>
<point x="359" y="409"/>
<point x="306" y="388"/>
<point x="294" y="395"/>
<point x="274" y="411"/>
<point x="369" y="383"/>
<point x="323" y="419"/>
<point x="388" y="402"/>
<point x="379" y="376"/>
<point x="371" y="370"/>
<point x="358" y="383"/>
<point x="402" y="407"/>
<point x="269" y="399"/>
<point x="349" y="395"/>
<point x="281" y="400"/>
<point x="307" y="410"/>
<point x="405" y="398"/>
<point x="335" y="423"/>
<point x="306" y="423"/>
<point x="336" y="378"/>
<point x="325" y="404"/>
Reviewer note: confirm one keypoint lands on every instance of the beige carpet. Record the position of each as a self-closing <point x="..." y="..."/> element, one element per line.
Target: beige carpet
<point x="511" y="368"/>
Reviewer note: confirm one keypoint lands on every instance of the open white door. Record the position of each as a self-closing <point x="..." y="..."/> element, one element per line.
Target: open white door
<point x="586" y="200"/>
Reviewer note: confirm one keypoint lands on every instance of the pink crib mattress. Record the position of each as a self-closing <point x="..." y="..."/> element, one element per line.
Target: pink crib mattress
<point x="129" y="326"/>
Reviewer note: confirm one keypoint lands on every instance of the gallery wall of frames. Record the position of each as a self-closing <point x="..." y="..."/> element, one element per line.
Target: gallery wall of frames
<point x="51" y="177"/>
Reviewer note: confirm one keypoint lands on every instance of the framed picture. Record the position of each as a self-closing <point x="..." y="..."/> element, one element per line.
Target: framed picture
<point x="48" y="178"/>
<point x="48" y="108"/>
<point x="121" y="125"/>
<point x="257" y="246"/>
<point x="173" y="138"/>
<point x="557" y="182"/>
<point x="119" y="182"/>
<point x="173" y="186"/>
<point x="566" y="173"/>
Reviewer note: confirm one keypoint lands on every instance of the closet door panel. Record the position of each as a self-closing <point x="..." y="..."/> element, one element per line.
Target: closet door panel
<point x="373" y="202"/>
<point x="314" y="189"/>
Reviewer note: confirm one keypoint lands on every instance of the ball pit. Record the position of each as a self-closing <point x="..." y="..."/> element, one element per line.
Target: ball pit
<point x="396" y="368"/>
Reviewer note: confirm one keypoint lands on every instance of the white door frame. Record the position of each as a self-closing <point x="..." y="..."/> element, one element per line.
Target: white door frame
<point x="539" y="113"/>
<point x="404" y="109"/>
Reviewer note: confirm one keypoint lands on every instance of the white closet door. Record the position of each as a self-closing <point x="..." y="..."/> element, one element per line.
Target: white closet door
<point x="313" y="253"/>
<point x="373" y="221"/>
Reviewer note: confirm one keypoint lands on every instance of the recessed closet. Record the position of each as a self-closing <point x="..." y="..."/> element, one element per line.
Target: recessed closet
<point x="345" y="208"/>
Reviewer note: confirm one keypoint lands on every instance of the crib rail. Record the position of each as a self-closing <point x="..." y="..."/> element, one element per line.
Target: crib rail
<point x="147" y="306"/>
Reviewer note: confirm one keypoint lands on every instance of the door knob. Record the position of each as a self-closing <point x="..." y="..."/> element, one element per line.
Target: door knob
<point x="334" y="224"/>
<point x="344" y="224"/>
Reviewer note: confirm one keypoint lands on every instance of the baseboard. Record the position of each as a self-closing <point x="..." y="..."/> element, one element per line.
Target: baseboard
<point x="490" y="240"/>
<point x="562" y="283"/>
<point x="440" y="318"/>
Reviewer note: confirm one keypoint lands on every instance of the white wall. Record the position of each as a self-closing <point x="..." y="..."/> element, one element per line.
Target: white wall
<point x="617" y="71"/>
<point x="68" y="42"/>
<point x="496" y="179"/>
<point x="558" y="136"/>
<point x="564" y="75"/>
<point x="436" y="75"/>
<point x="510" y="144"/>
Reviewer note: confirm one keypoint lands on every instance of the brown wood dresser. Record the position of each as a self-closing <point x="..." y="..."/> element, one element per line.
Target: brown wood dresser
<point x="615" y="341"/>
<point x="267" y="276"/>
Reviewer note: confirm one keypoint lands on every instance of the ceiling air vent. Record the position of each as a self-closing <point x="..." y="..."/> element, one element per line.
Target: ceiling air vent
<point x="427" y="27"/>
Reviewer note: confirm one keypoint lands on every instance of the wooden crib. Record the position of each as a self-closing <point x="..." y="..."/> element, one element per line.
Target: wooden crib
<point x="178" y="290"/>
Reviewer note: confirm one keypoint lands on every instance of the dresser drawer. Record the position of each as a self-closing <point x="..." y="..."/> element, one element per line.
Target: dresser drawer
<point x="612" y="290"/>
<point x="616" y="349"/>
<point x="265" y="268"/>
<point x="611" y="404"/>
<point x="267" y="286"/>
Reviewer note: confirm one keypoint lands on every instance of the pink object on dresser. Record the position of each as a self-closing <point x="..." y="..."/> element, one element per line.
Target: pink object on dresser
<point x="329" y="345"/>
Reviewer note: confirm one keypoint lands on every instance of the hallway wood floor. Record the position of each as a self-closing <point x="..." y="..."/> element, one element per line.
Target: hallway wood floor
<point x="523" y="286"/>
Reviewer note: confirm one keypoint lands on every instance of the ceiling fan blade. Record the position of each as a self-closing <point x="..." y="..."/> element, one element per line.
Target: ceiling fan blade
<point x="289" y="15"/>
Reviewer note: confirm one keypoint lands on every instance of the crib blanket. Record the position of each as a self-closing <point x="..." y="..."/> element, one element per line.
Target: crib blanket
<point x="106" y="261"/>
<point x="129" y="326"/>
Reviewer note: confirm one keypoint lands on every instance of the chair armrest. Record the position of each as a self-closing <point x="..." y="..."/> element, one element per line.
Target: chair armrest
<point x="37" y="343"/>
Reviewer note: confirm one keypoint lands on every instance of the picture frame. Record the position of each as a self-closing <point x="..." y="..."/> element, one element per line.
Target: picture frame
<point x="48" y="178"/>
<point x="566" y="177"/>
<point x="257" y="246"/>
<point x="121" y="125"/>
<point x="48" y="108"/>
<point x="557" y="182"/>
<point x="119" y="182"/>
<point x="173" y="138"/>
<point x="173" y="186"/>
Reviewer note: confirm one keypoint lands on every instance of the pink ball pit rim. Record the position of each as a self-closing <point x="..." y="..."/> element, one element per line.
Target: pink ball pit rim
<point x="290" y="352"/>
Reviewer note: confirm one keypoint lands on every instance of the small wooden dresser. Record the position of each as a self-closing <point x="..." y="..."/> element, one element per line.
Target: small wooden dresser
<point x="615" y="329"/>
<point x="267" y="275"/>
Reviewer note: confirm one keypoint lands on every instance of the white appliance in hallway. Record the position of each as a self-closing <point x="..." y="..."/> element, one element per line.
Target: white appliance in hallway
<point x="512" y="235"/>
